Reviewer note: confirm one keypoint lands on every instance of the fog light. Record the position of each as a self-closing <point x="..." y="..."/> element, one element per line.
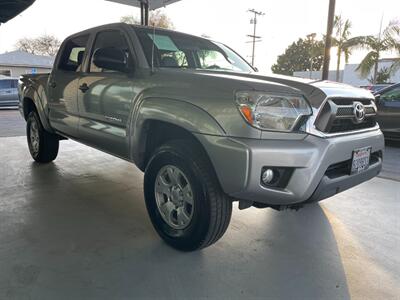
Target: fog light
<point x="268" y="176"/>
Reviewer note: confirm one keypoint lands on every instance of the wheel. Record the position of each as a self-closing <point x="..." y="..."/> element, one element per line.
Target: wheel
<point x="183" y="198"/>
<point x="43" y="145"/>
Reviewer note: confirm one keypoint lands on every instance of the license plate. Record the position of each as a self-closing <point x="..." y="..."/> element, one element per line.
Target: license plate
<point x="360" y="161"/>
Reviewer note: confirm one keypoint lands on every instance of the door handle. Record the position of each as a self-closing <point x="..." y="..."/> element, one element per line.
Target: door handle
<point x="84" y="87"/>
<point x="53" y="84"/>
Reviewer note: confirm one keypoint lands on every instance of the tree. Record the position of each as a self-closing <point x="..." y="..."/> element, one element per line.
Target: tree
<point x="299" y="56"/>
<point x="383" y="76"/>
<point x="387" y="40"/>
<point x="42" y="45"/>
<point x="340" y="39"/>
<point x="156" y="19"/>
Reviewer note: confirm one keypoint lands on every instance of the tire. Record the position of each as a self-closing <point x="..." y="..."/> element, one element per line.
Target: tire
<point x="210" y="212"/>
<point x="43" y="145"/>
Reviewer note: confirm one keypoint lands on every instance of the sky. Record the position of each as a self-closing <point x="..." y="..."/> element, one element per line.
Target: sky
<point x="226" y="21"/>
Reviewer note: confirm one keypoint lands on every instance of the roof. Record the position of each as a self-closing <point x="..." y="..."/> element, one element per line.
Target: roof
<point x="22" y="58"/>
<point x="10" y="9"/>
<point x="153" y="4"/>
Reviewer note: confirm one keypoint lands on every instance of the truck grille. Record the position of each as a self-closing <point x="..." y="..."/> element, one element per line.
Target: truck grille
<point x="344" y="115"/>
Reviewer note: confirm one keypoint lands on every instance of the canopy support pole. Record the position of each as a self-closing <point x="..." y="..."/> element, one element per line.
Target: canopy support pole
<point x="144" y="13"/>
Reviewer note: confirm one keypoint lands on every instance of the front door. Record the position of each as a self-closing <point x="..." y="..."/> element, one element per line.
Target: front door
<point x="105" y="100"/>
<point x="63" y="86"/>
<point x="389" y="111"/>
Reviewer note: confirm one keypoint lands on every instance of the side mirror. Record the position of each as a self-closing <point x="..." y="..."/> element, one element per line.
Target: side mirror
<point x="377" y="98"/>
<point x="111" y="58"/>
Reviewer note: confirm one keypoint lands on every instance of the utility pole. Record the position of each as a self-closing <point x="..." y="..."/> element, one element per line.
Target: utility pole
<point x="328" y="42"/>
<point x="254" y="36"/>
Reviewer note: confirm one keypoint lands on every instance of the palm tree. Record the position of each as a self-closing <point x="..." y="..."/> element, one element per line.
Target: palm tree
<point x="386" y="40"/>
<point x="396" y="64"/>
<point x="342" y="28"/>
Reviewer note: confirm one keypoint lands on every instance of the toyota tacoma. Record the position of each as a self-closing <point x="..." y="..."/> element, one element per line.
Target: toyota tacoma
<point x="204" y="127"/>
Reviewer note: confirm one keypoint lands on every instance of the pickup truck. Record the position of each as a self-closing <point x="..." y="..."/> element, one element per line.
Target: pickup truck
<point x="204" y="127"/>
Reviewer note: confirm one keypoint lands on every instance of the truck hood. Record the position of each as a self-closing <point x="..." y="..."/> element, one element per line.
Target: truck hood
<point x="214" y="93"/>
<point x="316" y="91"/>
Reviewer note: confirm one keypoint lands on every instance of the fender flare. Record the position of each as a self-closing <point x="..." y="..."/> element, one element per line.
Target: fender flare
<point x="176" y="112"/>
<point x="33" y="95"/>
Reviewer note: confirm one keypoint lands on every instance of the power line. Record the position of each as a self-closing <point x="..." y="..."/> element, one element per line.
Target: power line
<point x="254" y="36"/>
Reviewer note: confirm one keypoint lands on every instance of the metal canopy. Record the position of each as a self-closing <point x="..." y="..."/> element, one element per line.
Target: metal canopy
<point x="153" y="4"/>
<point x="145" y="6"/>
<point x="12" y="8"/>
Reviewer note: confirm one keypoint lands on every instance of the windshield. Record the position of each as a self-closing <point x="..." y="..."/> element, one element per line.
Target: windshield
<point x="178" y="50"/>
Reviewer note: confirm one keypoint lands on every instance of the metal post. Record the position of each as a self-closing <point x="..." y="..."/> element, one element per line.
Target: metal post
<point x="328" y="42"/>
<point x="144" y="13"/>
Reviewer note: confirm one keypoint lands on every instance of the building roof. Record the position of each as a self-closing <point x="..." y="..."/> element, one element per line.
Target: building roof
<point x="24" y="59"/>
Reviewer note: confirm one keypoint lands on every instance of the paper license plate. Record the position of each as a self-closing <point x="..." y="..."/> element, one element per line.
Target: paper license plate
<point x="360" y="161"/>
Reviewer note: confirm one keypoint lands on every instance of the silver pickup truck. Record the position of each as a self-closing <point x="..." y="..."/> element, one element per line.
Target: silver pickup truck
<point x="203" y="126"/>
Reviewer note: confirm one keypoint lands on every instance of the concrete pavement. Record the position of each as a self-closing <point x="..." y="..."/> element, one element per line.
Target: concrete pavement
<point x="78" y="229"/>
<point x="11" y="123"/>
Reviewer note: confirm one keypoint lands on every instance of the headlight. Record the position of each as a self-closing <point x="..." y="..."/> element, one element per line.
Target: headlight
<point x="272" y="111"/>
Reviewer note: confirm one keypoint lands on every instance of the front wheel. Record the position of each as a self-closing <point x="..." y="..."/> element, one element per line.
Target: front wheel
<point x="43" y="145"/>
<point x="184" y="200"/>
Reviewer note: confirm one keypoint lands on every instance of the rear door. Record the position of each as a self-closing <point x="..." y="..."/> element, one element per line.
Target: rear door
<point x="63" y="85"/>
<point x="106" y="101"/>
<point x="389" y="110"/>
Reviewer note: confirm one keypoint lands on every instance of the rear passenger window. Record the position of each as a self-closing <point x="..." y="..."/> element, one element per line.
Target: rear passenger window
<point x="105" y="39"/>
<point x="73" y="53"/>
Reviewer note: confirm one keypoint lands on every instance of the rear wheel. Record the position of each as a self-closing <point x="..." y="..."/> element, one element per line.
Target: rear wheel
<point x="184" y="200"/>
<point x="43" y="145"/>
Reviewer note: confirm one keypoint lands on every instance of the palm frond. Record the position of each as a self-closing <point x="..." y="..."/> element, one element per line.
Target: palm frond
<point x="346" y="29"/>
<point x="392" y="30"/>
<point x="367" y="64"/>
<point x="361" y="42"/>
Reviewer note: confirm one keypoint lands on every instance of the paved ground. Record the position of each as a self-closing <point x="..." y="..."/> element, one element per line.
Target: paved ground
<point x="11" y="123"/>
<point x="78" y="229"/>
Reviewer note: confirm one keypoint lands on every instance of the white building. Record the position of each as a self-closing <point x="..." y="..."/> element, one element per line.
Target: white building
<point x="350" y="76"/>
<point x="16" y="63"/>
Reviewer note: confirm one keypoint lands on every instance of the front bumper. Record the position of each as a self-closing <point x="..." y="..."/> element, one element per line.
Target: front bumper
<point x="238" y="164"/>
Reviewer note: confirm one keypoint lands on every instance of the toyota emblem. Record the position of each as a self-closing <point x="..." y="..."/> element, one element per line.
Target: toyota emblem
<point x="359" y="112"/>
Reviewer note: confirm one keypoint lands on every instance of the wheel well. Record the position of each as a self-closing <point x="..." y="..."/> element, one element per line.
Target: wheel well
<point x="28" y="107"/>
<point x="158" y="133"/>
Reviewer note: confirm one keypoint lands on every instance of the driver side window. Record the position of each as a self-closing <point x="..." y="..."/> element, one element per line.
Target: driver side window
<point x="111" y="39"/>
<point x="392" y="95"/>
